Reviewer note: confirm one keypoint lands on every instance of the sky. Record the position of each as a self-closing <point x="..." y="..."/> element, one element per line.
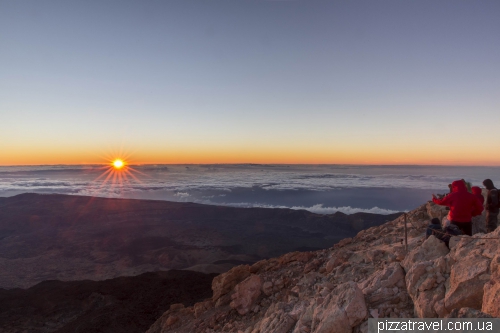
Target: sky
<point x="335" y="82"/>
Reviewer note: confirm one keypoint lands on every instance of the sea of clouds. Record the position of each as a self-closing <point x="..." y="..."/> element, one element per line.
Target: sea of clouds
<point x="248" y="185"/>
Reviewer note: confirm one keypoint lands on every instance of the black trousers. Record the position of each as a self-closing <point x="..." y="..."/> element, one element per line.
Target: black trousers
<point x="465" y="227"/>
<point x="491" y="220"/>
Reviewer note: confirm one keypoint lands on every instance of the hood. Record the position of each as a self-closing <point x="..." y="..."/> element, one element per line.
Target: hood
<point x="477" y="190"/>
<point x="488" y="183"/>
<point x="459" y="186"/>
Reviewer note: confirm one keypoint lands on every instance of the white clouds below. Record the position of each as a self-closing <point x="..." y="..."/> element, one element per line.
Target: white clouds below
<point x="320" y="209"/>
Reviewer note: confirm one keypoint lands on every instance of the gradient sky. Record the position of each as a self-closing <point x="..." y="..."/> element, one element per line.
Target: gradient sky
<point x="368" y="82"/>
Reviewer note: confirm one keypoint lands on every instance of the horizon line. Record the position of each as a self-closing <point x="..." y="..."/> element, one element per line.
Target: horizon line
<point x="252" y="163"/>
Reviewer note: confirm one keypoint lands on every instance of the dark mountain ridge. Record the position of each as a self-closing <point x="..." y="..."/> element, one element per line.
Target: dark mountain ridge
<point x="67" y="237"/>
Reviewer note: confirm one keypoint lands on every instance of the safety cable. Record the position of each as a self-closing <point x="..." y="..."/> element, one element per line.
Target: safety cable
<point x="460" y="236"/>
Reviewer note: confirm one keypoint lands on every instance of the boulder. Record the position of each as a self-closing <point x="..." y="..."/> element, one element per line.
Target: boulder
<point x="424" y="288"/>
<point x="382" y="286"/>
<point x="312" y="265"/>
<point x="425" y="302"/>
<point x="171" y="320"/>
<point x="200" y="307"/>
<point x="467" y="280"/>
<point x="278" y="322"/>
<point x="246" y="294"/>
<point x="267" y="288"/>
<point x="491" y="296"/>
<point x="224" y="283"/>
<point x="334" y="261"/>
<point x="295" y="256"/>
<point x="432" y="248"/>
<point x="340" y="311"/>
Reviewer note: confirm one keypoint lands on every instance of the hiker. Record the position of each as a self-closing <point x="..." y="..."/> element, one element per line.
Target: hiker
<point x="444" y="234"/>
<point x="434" y="228"/>
<point x="448" y="232"/>
<point x="477" y="221"/>
<point x="492" y="206"/>
<point x="476" y="190"/>
<point x="463" y="205"/>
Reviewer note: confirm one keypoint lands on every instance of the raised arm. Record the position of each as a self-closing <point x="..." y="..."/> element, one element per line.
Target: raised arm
<point x="446" y="201"/>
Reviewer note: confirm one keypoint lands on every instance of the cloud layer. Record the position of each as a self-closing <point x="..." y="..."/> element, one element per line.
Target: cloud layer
<point x="251" y="184"/>
<point x="320" y="209"/>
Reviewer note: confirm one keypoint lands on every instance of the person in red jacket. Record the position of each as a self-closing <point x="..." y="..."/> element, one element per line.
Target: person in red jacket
<point x="463" y="206"/>
<point x="476" y="190"/>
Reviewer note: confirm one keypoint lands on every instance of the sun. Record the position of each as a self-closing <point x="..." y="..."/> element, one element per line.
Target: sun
<point x="118" y="173"/>
<point x="118" y="164"/>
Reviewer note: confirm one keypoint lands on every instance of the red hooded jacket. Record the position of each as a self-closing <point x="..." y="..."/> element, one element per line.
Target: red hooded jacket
<point x="476" y="190"/>
<point x="463" y="205"/>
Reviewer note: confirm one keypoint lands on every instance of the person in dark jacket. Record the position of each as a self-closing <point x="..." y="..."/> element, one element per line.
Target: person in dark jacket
<point x="478" y="225"/>
<point x="463" y="206"/>
<point x="434" y="228"/>
<point x="491" y="206"/>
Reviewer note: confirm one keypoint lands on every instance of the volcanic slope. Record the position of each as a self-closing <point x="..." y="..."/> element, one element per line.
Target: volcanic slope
<point x="66" y="237"/>
<point x="368" y="276"/>
<point x="125" y="304"/>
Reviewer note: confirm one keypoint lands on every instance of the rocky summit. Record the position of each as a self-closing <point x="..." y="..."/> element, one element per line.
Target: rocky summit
<point x="336" y="290"/>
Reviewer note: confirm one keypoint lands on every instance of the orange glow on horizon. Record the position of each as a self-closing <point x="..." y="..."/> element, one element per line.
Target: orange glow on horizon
<point x="346" y="154"/>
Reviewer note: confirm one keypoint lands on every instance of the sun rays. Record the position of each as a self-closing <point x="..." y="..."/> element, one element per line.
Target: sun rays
<point x="117" y="174"/>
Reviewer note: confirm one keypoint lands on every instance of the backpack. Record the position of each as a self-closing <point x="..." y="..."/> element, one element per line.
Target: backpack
<point x="495" y="202"/>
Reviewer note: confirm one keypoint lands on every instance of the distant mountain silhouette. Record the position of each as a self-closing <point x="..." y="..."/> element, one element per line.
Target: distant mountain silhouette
<point x="66" y="237"/>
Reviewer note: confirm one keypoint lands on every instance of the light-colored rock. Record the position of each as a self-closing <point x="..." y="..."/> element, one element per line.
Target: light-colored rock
<point x="176" y="307"/>
<point x="432" y="248"/>
<point x="224" y="283"/>
<point x="295" y="256"/>
<point x="491" y="297"/>
<point x="423" y="288"/>
<point x="267" y="288"/>
<point x="312" y="265"/>
<point x="246" y="294"/>
<point x="425" y="302"/>
<point x="200" y="307"/>
<point x="467" y="284"/>
<point x="379" y="287"/>
<point x="340" y="311"/>
<point x="453" y="242"/>
<point x="171" y="320"/>
<point x="440" y="309"/>
<point x="279" y="322"/>
<point x="333" y="263"/>
<point x="374" y="313"/>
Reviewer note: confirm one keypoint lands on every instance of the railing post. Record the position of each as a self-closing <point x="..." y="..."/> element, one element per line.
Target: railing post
<point x="406" y="236"/>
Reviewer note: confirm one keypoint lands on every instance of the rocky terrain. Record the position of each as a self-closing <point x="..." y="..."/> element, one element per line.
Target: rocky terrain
<point x="125" y="304"/>
<point x="66" y="237"/>
<point x="338" y="289"/>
